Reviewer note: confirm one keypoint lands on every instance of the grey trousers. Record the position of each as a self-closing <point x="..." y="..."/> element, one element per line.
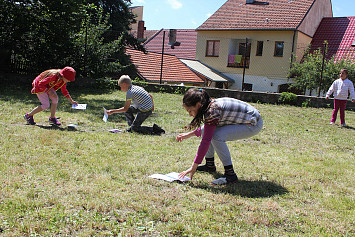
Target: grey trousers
<point x="230" y="133"/>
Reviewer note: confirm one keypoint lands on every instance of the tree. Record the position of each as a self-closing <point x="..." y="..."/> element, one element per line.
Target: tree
<point x="56" y="33"/>
<point x="90" y="58"/>
<point x="308" y="73"/>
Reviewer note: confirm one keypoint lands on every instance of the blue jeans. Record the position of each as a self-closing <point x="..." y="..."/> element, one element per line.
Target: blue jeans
<point x="135" y="122"/>
<point x="230" y="133"/>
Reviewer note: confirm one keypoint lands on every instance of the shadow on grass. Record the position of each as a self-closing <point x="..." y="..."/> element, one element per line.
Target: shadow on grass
<point x="246" y="188"/>
<point x="348" y="127"/>
<point x="54" y="127"/>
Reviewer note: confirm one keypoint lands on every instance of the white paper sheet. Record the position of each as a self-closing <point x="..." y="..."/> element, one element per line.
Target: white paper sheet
<point x="79" y="106"/>
<point x="105" y="116"/>
<point x="173" y="176"/>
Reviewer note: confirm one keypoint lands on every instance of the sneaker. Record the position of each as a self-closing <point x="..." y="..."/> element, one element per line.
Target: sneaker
<point x="158" y="130"/>
<point x="225" y="180"/>
<point x="332" y="123"/>
<point x="343" y="125"/>
<point x="29" y="119"/>
<point x="205" y="168"/>
<point x="54" y="121"/>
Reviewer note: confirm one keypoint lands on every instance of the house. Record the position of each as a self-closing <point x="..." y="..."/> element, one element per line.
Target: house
<point x="339" y="32"/>
<point x="185" y="37"/>
<point x="163" y="68"/>
<point x="157" y="41"/>
<point x="252" y="42"/>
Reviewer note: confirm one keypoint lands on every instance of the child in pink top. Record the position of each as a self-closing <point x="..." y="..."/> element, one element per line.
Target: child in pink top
<point x="341" y="89"/>
<point x="224" y="119"/>
<point x="45" y="86"/>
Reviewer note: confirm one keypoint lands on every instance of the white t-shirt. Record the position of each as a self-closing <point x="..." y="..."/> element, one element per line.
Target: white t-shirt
<point x="341" y="89"/>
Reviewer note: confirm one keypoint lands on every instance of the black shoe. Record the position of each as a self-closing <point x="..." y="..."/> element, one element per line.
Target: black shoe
<point x="157" y="130"/>
<point x="205" y="168"/>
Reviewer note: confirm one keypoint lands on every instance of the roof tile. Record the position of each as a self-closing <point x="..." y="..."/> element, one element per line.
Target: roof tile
<point x="174" y="71"/>
<point x="339" y="32"/>
<point x="278" y="14"/>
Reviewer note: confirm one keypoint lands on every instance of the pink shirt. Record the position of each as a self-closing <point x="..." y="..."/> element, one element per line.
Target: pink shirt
<point x="205" y="142"/>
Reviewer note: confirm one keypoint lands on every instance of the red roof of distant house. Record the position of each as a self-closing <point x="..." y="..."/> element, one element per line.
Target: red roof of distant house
<point x="277" y="14"/>
<point x="186" y="37"/>
<point x="174" y="71"/>
<point x="339" y="32"/>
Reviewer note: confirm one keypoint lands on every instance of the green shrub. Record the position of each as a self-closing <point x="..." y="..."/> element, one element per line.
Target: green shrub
<point x="287" y="98"/>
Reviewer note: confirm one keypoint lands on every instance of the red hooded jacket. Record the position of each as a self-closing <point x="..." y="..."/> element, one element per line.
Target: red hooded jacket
<point x="44" y="85"/>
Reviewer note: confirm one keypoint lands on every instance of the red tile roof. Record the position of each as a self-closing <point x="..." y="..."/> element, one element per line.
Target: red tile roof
<point x="339" y="32"/>
<point x="174" y="71"/>
<point x="187" y="48"/>
<point x="278" y="14"/>
<point x="187" y="38"/>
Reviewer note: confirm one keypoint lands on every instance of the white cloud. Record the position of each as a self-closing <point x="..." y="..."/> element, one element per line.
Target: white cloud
<point x="175" y="4"/>
<point x="208" y="15"/>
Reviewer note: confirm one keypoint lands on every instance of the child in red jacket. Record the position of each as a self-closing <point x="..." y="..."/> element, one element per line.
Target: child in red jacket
<point x="45" y="86"/>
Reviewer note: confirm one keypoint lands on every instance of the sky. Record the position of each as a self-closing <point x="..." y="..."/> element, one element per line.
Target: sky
<point x="190" y="14"/>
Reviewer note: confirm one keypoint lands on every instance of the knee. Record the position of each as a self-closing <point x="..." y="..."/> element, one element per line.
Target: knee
<point x="135" y="128"/>
<point x="45" y="106"/>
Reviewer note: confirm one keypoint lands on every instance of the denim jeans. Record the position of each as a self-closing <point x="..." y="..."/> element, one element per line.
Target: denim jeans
<point x="230" y="133"/>
<point x="135" y="122"/>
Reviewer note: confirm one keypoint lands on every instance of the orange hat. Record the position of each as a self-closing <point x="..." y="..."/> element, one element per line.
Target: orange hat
<point x="68" y="73"/>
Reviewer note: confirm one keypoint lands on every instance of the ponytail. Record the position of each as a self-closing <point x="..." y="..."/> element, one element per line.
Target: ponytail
<point x="191" y="98"/>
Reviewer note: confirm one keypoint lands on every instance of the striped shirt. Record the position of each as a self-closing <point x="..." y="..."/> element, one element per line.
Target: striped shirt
<point x="228" y="111"/>
<point x="140" y="98"/>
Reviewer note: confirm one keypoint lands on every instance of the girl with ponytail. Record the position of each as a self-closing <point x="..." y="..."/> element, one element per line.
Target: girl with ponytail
<point x="223" y="119"/>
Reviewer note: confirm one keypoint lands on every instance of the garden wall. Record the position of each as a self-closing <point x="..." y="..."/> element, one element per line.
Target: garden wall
<point x="248" y="96"/>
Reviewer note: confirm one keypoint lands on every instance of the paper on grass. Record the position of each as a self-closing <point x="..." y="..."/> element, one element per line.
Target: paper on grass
<point x="79" y="106"/>
<point x="173" y="176"/>
<point x="105" y="116"/>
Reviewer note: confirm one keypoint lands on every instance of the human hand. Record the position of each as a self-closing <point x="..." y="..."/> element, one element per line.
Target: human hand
<point x="109" y="111"/>
<point x="353" y="101"/>
<point x="182" y="136"/>
<point x="191" y="171"/>
<point x="74" y="102"/>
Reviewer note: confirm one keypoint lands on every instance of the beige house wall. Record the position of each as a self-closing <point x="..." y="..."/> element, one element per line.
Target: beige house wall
<point x="320" y="9"/>
<point x="266" y="69"/>
<point x="138" y="12"/>
<point x="303" y="42"/>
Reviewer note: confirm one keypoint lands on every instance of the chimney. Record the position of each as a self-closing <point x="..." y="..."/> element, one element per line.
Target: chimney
<point x="140" y="30"/>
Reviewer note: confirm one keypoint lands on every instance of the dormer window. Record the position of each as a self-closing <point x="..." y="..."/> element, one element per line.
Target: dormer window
<point x="256" y="2"/>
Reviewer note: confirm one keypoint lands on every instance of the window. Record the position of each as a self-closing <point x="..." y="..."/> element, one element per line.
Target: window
<point x="259" y="48"/>
<point x="239" y="54"/>
<point x="247" y="87"/>
<point x="212" y="48"/>
<point x="279" y="49"/>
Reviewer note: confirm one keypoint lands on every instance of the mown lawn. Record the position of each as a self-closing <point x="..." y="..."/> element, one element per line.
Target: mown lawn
<point x="296" y="176"/>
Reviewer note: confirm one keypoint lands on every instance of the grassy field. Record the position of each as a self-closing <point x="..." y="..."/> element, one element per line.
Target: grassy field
<point x="296" y="176"/>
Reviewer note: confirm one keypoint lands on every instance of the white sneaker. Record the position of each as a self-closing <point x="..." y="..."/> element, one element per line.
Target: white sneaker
<point x="220" y="181"/>
<point x="224" y="180"/>
<point x="331" y="123"/>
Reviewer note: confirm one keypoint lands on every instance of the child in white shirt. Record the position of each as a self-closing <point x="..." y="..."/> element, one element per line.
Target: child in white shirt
<point x="341" y="88"/>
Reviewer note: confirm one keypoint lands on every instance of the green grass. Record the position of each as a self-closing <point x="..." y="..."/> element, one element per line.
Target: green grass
<point x="296" y="176"/>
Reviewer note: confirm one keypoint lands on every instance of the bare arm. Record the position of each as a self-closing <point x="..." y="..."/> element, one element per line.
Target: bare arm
<point x="120" y="110"/>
